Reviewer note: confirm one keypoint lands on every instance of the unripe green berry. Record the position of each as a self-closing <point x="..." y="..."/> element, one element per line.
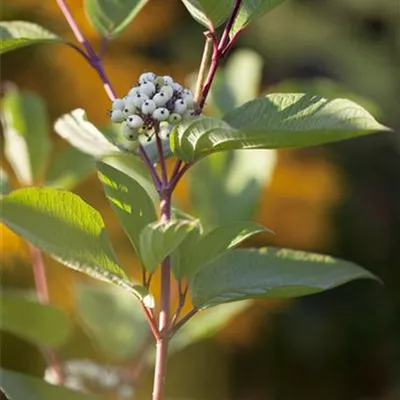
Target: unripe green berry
<point x="174" y="118"/>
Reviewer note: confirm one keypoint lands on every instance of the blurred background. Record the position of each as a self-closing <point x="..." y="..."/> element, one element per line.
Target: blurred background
<point x="341" y="199"/>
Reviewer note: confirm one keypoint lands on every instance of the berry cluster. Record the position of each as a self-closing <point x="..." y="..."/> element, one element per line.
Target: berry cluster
<point x="153" y="105"/>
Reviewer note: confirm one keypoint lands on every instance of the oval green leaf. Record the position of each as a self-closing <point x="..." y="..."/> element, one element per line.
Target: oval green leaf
<point x="269" y="273"/>
<point x="68" y="167"/>
<point x="218" y="242"/>
<point x="61" y="224"/>
<point x="250" y="10"/>
<point x="43" y="325"/>
<point x="130" y="201"/>
<point x="115" y="322"/>
<point x="209" y="12"/>
<point x="26" y="134"/>
<point x="82" y="134"/>
<point x="17" y="34"/>
<point x="111" y="17"/>
<point x="17" y="386"/>
<point x="159" y="239"/>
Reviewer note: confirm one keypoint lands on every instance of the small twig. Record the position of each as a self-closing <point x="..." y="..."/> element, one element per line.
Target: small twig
<point x="175" y="179"/>
<point x="150" y="166"/>
<point x="203" y="66"/>
<point x="228" y="47"/>
<point x="183" y="321"/>
<point x="79" y="50"/>
<point x="103" y="47"/>
<point x="181" y="302"/>
<point x="161" y="159"/>
<point x="151" y="321"/>
<point x="225" y="35"/>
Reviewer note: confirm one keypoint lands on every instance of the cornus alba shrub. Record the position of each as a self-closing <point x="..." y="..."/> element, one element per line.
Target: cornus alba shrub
<point x="157" y="119"/>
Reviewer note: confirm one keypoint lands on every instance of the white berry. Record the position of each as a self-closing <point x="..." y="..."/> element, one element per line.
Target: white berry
<point x="118" y="104"/>
<point x="129" y="109"/>
<point x="147" y="88"/>
<point x="147" y="77"/>
<point x="180" y="106"/>
<point x="161" y="114"/>
<point x="148" y="106"/>
<point x="134" y="121"/>
<point x="177" y="87"/>
<point x="130" y="133"/>
<point x="139" y="99"/>
<point x="161" y="99"/>
<point x="188" y="114"/>
<point x="167" y="90"/>
<point x="117" y="116"/>
<point x="174" y="118"/>
<point x="188" y="96"/>
<point x="134" y="91"/>
<point x="168" y="80"/>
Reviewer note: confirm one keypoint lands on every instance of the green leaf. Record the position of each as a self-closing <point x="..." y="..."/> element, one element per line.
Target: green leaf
<point x="209" y="11"/>
<point x="159" y="239"/>
<point x="64" y="226"/>
<point x="239" y="81"/>
<point x="43" y="325"/>
<point x="206" y="324"/>
<point x="218" y="242"/>
<point x="82" y="134"/>
<point x="229" y="183"/>
<point x="115" y="322"/>
<point x="130" y="201"/>
<point x="276" y="121"/>
<point x="269" y="273"/>
<point x="4" y="183"/>
<point x="111" y="17"/>
<point x="69" y="167"/>
<point x="252" y="9"/>
<point x="17" y="386"/>
<point x="137" y="170"/>
<point x="17" y="34"/>
<point x="26" y="134"/>
<point x="181" y="255"/>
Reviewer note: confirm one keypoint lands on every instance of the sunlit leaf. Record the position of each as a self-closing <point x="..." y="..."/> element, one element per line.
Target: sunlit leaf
<point x="17" y="34"/>
<point x="17" y="386"/>
<point x="269" y="273"/>
<point x="64" y="226"/>
<point x="252" y="9"/>
<point x="82" y="134"/>
<point x="218" y="242"/>
<point x="41" y="324"/>
<point x="208" y="12"/>
<point x="111" y="17"/>
<point x="26" y="134"/>
<point x="274" y="121"/>
<point x="69" y="167"/>
<point x="115" y="322"/>
<point x="159" y="239"/>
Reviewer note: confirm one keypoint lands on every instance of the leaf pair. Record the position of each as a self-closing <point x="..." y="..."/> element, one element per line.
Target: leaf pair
<point x="273" y="122"/>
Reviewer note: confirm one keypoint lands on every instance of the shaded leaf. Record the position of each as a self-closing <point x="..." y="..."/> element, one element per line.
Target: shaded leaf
<point x="111" y="17"/>
<point x="229" y="183"/>
<point x="82" y="134"/>
<point x="276" y="121"/>
<point x="209" y="11"/>
<point x="63" y="225"/>
<point x="17" y="34"/>
<point x="218" y="242"/>
<point x="269" y="273"/>
<point x="252" y="9"/>
<point x="130" y="201"/>
<point x="26" y="134"/>
<point x="43" y="325"/>
<point x="115" y="322"/>
<point x="159" y="239"/>
<point x="17" y="386"/>
<point x="4" y="183"/>
<point x="69" y="167"/>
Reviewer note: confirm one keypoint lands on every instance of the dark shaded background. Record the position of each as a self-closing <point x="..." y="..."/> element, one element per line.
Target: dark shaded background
<point x="341" y="199"/>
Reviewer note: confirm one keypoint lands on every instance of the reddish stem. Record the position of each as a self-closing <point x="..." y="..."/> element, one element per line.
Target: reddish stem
<point x="161" y="159"/>
<point x="42" y="293"/>
<point x="183" y="321"/>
